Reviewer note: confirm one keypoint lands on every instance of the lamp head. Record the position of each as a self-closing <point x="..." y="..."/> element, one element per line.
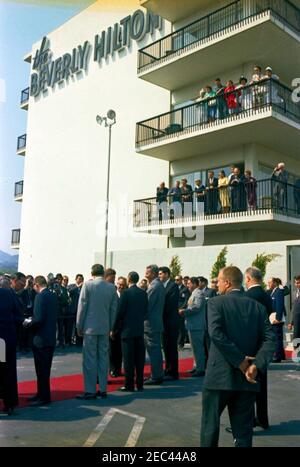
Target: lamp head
<point x="111" y="114"/>
<point x="99" y="119"/>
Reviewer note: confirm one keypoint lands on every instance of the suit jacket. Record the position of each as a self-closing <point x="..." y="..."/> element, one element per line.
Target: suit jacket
<point x="45" y="312"/>
<point x="97" y="307"/>
<point x="278" y="307"/>
<point x="195" y="312"/>
<point x="296" y="318"/>
<point x="209" y="293"/>
<point x="74" y="292"/>
<point x="133" y="308"/>
<point x="170" y="314"/>
<point x="238" y="327"/>
<point x="10" y="316"/>
<point x="260" y="295"/>
<point x="156" y="301"/>
<point x="162" y="195"/>
<point x="184" y="295"/>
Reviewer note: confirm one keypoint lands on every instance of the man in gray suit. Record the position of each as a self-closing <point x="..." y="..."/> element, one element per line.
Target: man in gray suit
<point x="153" y="324"/>
<point x="97" y="308"/>
<point x="195" y="322"/>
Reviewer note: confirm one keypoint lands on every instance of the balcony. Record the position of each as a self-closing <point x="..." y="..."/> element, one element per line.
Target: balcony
<point x="269" y="207"/>
<point x="265" y="113"/>
<point x="15" y="239"/>
<point x="24" y="99"/>
<point x="222" y="40"/>
<point x="21" y="145"/>
<point x="175" y="10"/>
<point x="19" y="191"/>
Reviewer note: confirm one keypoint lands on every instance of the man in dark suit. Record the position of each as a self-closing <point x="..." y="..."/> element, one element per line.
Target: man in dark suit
<point x="241" y="343"/>
<point x="184" y="295"/>
<point x="212" y="194"/>
<point x="296" y="315"/>
<point x="162" y="200"/>
<point x="43" y="323"/>
<point x="253" y="283"/>
<point x="129" y="324"/>
<point x="171" y="324"/>
<point x="74" y="291"/>
<point x="276" y="292"/>
<point x="10" y="317"/>
<point x="206" y="291"/>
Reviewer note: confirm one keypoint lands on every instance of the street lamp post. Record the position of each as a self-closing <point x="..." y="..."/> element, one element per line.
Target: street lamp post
<point x="108" y="121"/>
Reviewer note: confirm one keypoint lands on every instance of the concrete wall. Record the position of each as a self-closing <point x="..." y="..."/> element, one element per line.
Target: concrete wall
<point x="63" y="213"/>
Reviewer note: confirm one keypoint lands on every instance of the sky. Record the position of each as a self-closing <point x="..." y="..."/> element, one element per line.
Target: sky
<point x="22" y="23"/>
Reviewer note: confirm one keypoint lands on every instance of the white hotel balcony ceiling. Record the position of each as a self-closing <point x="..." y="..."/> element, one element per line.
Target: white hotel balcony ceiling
<point x="175" y="10"/>
<point x="222" y="41"/>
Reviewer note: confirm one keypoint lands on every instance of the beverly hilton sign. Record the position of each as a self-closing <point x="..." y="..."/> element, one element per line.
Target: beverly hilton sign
<point x="47" y="71"/>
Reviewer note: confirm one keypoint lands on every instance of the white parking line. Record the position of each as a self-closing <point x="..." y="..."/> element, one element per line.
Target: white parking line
<point x="134" y="434"/>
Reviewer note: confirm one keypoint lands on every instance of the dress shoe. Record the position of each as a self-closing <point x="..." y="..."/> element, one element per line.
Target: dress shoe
<point x="153" y="382"/>
<point x="115" y="374"/>
<point x="32" y="398"/>
<point x="228" y="429"/>
<point x="191" y="371"/>
<point x="125" y="389"/>
<point x="86" y="396"/>
<point x="39" y="403"/>
<point x="170" y="378"/>
<point x="197" y="374"/>
<point x="265" y="426"/>
<point x="8" y="410"/>
<point x="102" y="395"/>
<point x="276" y="360"/>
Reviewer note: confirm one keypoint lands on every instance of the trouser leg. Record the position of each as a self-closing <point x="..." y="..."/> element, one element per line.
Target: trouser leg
<point x="102" y="357"/>
<point x="153" y="346"/>
<point x="213" y="404"/>
<point x="241" y="414"/>
<point x="89" y="363"/>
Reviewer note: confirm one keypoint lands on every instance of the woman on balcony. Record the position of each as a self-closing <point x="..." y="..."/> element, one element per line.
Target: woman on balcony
<point x="231" y="97"/>
<point x="211" y="103"/>
<point x="223" y="192"/>
<point x="202" y="106"/>
<point x="244" y="95"/>
<point x="251" y="186"/>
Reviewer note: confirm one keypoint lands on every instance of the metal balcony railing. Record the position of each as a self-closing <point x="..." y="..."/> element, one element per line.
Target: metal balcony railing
<point x="243" y="102"/>
<point x="19" y="189"/>
<point x="243" y="199"/>
<point x="15" y="237"/>
<point x="217" y="22"/>
<point x="25" y="96"/>
<point x="21" y="142"/>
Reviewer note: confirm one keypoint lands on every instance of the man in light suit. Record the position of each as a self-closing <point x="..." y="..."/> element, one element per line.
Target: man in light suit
<point x="97" y="308"/>
<point x="241" y="344"/>
<point x="153" y="324"/>
<point x="195" y="319"/>
<point x="203" y="286"/>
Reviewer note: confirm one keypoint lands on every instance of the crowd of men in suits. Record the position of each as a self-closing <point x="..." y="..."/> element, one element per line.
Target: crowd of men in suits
<point x="234" y="333"/>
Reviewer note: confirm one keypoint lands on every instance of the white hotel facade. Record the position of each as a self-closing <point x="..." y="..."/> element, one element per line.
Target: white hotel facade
<point x="117" y="55"/>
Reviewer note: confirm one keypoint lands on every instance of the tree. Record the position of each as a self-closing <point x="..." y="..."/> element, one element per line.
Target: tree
<point x="220" y="263"/>
<point x="175" y="267"/>
<point x="261" y="262"/>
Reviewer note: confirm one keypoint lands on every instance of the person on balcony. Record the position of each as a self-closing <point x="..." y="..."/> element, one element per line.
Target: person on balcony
<point x="297" y="195"/>
<point x="175" y="197"/>
<point x="223" y="192"/>
<point x="186" y="197"/>
<point x="280" y="178"/>
<point x="244" y="95"/>
<point x="202" y="106"/>
<point x="251" y="187"/>
<point x="212" y="193"/>
<point x="270" y="88"/>
<point x="222" y="109"/>
<point x="162" y="200"/>
<point x="211" y="103"/>
<point x="231" y="96"/>
<point x="200" y="195"/>
<point x="257" y="88"/>
<point x="238" y="192"/>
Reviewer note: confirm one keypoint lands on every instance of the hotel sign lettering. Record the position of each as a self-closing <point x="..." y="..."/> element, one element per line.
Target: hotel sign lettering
<point x="47" y="71"/>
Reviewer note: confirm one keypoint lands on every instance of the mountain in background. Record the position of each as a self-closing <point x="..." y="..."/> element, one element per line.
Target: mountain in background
<point x="8" y="263"/>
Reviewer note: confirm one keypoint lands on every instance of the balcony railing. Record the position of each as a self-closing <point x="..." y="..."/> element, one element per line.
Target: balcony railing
<point x="25" y="96"/>
<point x="15" y="237"/>
<point x="215" y="23"/>
<point x="243" y="102"/>
<point x="19" y="189"/>
<point x="21" y="142"/>
<point x="245" y="199"/>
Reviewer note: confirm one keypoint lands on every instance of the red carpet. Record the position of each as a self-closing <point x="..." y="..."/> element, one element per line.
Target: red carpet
<point x="67" y="387"/>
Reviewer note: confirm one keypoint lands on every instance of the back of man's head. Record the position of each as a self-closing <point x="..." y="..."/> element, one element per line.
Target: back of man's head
<point x="254" y="274"/>
<point x="233" y="275"/>
<point x="97" y="270"/>
<point x="133" y="277"/>
<point x="40" y="281"/>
